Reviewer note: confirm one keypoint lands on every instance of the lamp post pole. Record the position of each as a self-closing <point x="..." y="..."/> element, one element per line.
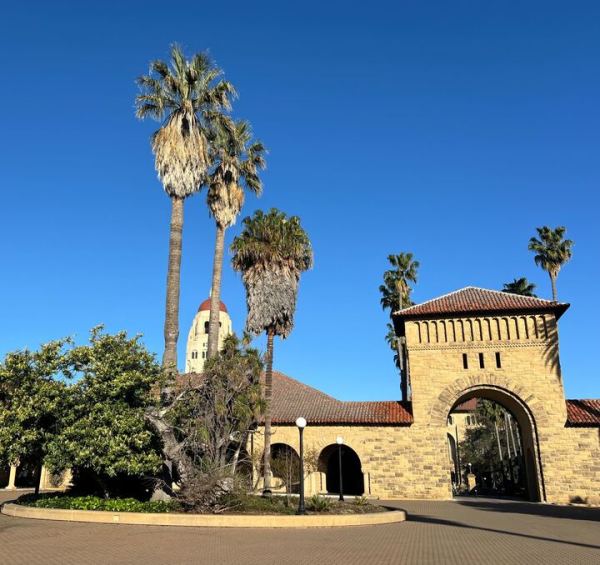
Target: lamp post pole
<point x="301" y="424"/>
<point x="340" y="441"/>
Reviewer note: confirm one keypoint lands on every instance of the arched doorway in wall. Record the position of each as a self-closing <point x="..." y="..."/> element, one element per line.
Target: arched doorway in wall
<point x="496" y="449"/>
<point x="285" y="467"/>
<point x="352" y="475"/>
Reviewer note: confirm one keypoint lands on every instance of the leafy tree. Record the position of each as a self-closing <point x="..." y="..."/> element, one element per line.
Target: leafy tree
<point x="214" y="416"/>
<point x="187" y="98"/>
<point x="520" y="286"/>
<point x="552" y="251"/>
<point x="395" y="290"/>
<point x="237" y="159"/>
<point x="271" y="253"/>
<point x="32" y="401"/>
<point x="102" y="429"/>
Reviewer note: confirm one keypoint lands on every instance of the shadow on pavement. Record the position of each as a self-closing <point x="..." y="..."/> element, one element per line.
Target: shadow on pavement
<point x="534" y="509"/>
<point x="440" y="522"/>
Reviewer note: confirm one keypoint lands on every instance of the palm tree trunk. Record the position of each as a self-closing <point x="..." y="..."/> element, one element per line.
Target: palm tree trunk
<point x="554" y="293"/>
<point x="173" y="276"/>
<point x="268" y="396"/>
<point x="215" y="294"/>
<point x="498" y="440"/>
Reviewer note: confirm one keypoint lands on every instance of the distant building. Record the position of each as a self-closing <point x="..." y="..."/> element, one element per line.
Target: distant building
<point x="197" y="342"/>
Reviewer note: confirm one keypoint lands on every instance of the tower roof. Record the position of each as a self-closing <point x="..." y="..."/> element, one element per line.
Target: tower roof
<point x="206" y="306"/>
<point x="472" y="299"/>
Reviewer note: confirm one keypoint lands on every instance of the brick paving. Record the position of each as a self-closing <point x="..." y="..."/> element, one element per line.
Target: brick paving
<point x="461" y="531"/>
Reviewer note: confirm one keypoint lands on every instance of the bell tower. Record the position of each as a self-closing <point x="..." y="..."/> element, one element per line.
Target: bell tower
<point x="197" y="342"/>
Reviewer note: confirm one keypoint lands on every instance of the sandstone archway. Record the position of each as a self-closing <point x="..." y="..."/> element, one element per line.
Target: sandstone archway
<point x="352" y="474"/>
<point x="525" y="408"/>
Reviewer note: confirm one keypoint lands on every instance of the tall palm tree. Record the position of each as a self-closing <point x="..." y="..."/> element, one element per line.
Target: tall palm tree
<point x="520" y="286"/>
<point x="395" y="290"/>
<point x="237" y="159"/>
<point x="395" y="295"/>
<point x="184" y="96"/>
<point x="271" y="253"/>
<point x="552" y="251"/>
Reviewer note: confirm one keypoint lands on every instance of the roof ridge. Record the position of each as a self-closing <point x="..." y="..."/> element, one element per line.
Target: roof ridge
<point x="433" y="299"/>
<point x="513" y="294"/>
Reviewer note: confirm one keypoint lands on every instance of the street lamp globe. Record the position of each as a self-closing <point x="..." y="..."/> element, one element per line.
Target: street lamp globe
<point x="301" y="422"/>
<point x="339" y="440"/>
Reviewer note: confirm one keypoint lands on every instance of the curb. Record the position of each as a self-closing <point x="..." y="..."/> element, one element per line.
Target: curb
<point x="202" y="520"/>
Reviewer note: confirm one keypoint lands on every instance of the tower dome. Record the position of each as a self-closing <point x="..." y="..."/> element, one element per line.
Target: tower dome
<point x="206" y="306"/>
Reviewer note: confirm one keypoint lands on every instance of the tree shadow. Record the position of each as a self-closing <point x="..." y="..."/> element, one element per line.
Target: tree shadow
<point x="440" y="522"/>
<point x="531" y="508"/>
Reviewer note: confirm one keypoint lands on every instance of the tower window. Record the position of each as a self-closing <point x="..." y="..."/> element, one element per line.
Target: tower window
<point x="205" y="327"/>
<point x="481" y="361"/>
<point x="204" y="355"/>
<point x="498" y="360"/>
<point x="465" y="361"/>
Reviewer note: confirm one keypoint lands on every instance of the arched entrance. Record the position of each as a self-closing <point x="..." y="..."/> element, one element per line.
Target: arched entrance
<point x="352" y="475"/>
<point x="514" y="469"/>
<point x="285" y="467"/>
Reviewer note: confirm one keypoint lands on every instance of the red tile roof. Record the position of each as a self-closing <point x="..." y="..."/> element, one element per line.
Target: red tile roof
<point x="206" y="306"/>
<point x="466" y="406"/>
<point x="473" y="299"/>
<point x="292" y="398"/>
<point x="583" y="412"/>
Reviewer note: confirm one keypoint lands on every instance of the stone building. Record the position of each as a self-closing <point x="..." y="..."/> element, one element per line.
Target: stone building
<point x="197" y="342"/>
<point x="472" y="343"/>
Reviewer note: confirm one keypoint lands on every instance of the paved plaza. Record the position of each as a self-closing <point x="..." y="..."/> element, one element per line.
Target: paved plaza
<point x="461" y="531"/>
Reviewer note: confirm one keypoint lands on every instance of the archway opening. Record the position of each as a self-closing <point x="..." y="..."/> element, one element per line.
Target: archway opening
<point x="285" y="467"/>
<point x="492" y="446"/>
<point x="352" y="475"/>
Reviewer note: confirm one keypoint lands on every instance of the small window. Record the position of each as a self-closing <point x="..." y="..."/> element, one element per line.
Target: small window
<point x="498" y="360"/>
<point x="481" y="361"/>
<point x="449" y="420"/>
<point x="204" y="355"/>
<point x="465" y="361"/>
<point x="468" y="420"/>
<point x="205" y="327"/>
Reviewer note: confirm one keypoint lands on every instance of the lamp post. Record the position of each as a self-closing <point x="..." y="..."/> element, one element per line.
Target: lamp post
<point x="301" y="424"/>
<point x="340" y="441"/>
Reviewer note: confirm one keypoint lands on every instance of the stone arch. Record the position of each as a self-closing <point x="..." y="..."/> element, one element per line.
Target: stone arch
<point x="285" y="466"/>
<point x="352" y="471"/>
<point x="525" y="408"/>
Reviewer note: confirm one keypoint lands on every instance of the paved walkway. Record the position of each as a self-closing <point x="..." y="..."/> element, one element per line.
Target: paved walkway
<point x="461" y="531"/>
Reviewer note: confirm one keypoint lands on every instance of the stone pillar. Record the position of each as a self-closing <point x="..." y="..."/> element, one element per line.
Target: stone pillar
<point x="366" y="484"/>
<point x="12" y="478"/>
<point x="471" y="481"/>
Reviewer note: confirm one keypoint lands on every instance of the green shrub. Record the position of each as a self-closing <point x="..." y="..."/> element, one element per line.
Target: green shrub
<point x="319" y="503"/>
<point x="96" y="503"/>
<point x="361" y="501"/>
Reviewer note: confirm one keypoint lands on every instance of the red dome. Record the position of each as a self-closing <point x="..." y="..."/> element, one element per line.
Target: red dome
<point x="206" y="306"/>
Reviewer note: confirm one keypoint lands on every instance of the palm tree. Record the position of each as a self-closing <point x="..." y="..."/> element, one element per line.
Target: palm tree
<point x="395" y="290"/>
<point x="237" y="159"/>
<point x="185" y="97"/>
<point x="552" y="252"/>
<point x="271" y="253"/>
<point x="520" y="286"/>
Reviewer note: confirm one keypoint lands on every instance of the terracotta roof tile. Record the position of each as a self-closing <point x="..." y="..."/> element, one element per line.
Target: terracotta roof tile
<point x="584" y="412"/>
<point x="473" y="299"/>
<point x="292" y="398"/>
<point x="466" y="406"/>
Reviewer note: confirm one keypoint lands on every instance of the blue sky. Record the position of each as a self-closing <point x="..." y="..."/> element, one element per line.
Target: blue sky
<point x="449" y="129"/>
